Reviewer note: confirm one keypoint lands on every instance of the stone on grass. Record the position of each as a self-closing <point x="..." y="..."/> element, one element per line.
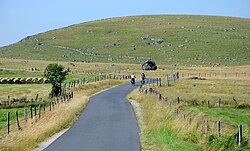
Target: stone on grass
<point x="149" y="65"/>
<point x="146" y="36"/>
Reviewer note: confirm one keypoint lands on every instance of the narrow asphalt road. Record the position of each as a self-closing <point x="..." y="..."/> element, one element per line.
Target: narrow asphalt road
<point x="108" y="123"/>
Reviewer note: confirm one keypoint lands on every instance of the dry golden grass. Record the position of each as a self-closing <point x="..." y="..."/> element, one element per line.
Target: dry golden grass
<point x="157" y="116"/>
<point x="211" y="90"/>
<point x="222" y="83"/>
<point x="79" y="68"/>
<point x="75" y="67"/>
<point x="61" y="117"/>
<point x="35" y="132"/>
<point x="24" y="90"/>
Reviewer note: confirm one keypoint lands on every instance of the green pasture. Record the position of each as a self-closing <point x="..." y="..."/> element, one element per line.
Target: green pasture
<point x="212" y="90"/>
<point x="188" y="40"/>
<point x="24" y="90"/>
<point x="232" y="115"/>
<point x="19" y="73"/>
<point x="169" y="140"/>
<point x="12" y="111"/>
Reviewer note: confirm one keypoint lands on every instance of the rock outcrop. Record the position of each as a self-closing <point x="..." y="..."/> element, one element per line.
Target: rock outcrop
<point x="149" y="65"/>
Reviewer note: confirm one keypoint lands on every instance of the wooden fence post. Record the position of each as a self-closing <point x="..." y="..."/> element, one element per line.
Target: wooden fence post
<point x="177" y="112"/>
<point x="206" y="127"/>
<point x="35" y="113"/>
<point x="189" y="120"/>
<point x="160" y="81"/>
<point x="218" y="129"/>
<point x="44" y="108"/>
<point x="239" y="140"/>
<point x="31" y="114"/>
<point x="178" y="100"/>
<point x="183" y="118"/>
<point x="8" y="122"/>
<point x="64" y="97"/>
<point x="39" y="111"/>
<point x="36" y="97"/>
<point x="168" y="80"/>
<point x="25" y="115"/>
<point x="17" y="121"/>
<point x="160" y="96"/>
<point x="50" y="106"/>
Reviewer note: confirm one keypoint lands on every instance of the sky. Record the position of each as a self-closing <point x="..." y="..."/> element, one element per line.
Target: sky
<point x="22" y="18"/>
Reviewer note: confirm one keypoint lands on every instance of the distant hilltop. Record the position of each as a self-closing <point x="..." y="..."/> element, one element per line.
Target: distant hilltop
<point x="167" y="39"/>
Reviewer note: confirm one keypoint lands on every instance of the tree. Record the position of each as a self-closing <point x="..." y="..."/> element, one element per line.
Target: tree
<point x="55" y="75"/>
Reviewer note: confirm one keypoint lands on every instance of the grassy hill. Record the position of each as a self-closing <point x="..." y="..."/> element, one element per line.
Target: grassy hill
<point x="183" y="40"/>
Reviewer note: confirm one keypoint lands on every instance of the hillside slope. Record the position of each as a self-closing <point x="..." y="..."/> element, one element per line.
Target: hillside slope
<point x="183" y="40"/>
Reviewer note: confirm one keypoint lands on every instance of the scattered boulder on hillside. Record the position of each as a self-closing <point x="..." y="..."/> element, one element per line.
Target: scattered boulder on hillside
<point x="149" y="65"/>
<point x="89" y="31"/>
<point x="155" y="41"/>
<point x="115" y="44"/>
<point x="65" y="56"/>
<point x="158" y="41"/>
<point x="146" y="36"/>
<point x="134" y="48"/>
<point x="230" y="29"/>
<point x="182" y="45"/>
<point x="39" y="43"/>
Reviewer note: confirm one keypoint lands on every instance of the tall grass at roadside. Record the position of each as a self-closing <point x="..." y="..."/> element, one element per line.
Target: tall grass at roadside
<point x="160" y="131"/>
<point x="163" y="130"/>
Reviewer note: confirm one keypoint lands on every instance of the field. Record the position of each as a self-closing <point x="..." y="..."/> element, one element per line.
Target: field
<point x="187" y="40"/>
<point x="214" y="51"/>
<point x="216" y="85"/>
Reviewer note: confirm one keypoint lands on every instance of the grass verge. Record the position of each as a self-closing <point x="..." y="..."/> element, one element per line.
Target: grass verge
<point x="157" y="133"/>
<point x="163" y="130"/>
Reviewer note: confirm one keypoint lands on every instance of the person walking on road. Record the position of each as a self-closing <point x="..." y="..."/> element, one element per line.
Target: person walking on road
<point x="143" y="77"/>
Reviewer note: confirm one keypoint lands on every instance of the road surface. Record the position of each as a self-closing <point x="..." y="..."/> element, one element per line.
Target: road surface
<point x="108" y="123"/>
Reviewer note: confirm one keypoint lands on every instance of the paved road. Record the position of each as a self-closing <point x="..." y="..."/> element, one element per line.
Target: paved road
<point x="108" y="123"/>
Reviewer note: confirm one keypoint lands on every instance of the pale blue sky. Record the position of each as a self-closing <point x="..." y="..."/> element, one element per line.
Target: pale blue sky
<point x="21" y="18"/>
